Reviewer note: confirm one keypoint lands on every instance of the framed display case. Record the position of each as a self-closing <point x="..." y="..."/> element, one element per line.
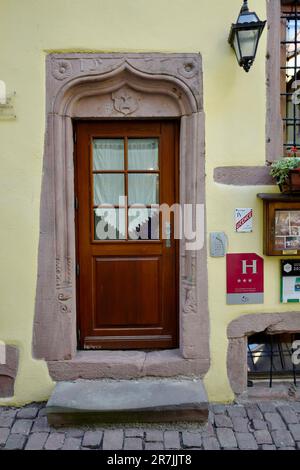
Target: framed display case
<point x="281" y="224"/>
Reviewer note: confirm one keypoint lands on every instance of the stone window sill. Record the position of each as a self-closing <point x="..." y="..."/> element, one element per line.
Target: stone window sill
<point x="281" y="390"/>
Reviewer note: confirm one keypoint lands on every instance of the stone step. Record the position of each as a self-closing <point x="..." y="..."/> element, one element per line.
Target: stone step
<point x="119" y="401"/>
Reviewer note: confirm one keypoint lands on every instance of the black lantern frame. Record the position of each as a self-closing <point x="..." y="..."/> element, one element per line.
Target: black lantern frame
<point x="245" y="34"/>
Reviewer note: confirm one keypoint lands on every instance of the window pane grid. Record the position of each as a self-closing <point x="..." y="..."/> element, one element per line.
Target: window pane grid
<point x="125" y="167"/>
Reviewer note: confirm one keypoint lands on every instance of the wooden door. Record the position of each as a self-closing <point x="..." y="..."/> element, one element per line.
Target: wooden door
<point x="127" y="272"/>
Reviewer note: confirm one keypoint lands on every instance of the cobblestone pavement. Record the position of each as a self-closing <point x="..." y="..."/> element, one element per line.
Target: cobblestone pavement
<point x="265" y="425"/>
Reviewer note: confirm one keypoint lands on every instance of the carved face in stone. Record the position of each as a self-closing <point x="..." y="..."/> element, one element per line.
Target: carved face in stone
<point x="125" y="100"/>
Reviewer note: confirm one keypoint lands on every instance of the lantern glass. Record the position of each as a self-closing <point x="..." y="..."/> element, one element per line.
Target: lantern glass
<point x="248" y="40"/>
<point x="236" y="47"/>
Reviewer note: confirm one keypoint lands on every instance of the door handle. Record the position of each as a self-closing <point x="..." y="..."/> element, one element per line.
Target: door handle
<point x="168" y="234"/>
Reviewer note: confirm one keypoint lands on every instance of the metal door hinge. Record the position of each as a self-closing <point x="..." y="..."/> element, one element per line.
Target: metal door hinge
<point x="78" y="334"/>
<point x="76" y="203"/>
<point x="75" y="137"/>
<point x="77" y="269"/>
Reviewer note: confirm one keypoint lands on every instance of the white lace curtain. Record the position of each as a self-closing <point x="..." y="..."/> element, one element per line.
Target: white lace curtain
<point x="109" y="155"/>
<point x="142" y="154"/>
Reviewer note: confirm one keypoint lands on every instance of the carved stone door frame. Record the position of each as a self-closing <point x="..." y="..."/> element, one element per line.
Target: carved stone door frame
<point x="115" y="86"/>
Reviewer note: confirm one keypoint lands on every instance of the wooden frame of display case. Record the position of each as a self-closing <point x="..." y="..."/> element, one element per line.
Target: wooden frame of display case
<point x="281" y="237"/>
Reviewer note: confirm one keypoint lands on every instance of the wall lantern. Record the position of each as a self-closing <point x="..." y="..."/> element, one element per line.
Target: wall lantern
<point x="244" y="36"/>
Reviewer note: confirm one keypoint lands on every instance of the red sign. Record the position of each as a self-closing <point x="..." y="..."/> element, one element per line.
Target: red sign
<point x="245" y="219"/>
<point x="245" y="278"/>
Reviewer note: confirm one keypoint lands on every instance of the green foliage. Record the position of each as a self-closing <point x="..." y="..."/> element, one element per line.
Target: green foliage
<point x="280" y="169"/>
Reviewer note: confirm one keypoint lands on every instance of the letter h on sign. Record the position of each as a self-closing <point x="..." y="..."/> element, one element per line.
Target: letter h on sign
<point x="252" y="266"/>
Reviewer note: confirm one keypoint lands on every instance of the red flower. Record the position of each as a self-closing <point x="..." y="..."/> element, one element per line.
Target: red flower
<point x="293" y="151"/>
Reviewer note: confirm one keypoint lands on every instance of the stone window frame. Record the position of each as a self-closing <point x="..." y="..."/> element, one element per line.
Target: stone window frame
<point x="274" y="124"/>
<point x="237" y="333"/>
<point x="82" y="86"/>
<point x="8" y="371"/>
<point x="274" y="128"/>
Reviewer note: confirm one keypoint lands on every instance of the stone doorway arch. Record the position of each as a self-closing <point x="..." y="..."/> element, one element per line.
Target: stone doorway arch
<point x="116" y="86"/>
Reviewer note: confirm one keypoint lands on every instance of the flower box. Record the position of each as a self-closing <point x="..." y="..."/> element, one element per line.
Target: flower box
<point x="294" y="180"/>
<point x="292" y="183"/>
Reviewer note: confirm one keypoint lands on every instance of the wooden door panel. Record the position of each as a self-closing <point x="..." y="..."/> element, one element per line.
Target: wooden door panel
<point x="127" y="294"/>
<point x="139" y="278"/>
<point x="125" y="249"/>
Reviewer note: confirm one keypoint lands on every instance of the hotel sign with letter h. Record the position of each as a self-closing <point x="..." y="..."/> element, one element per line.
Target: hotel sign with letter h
<point x="245" y="279"/>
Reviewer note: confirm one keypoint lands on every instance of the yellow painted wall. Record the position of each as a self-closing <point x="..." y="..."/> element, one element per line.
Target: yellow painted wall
<point x="235" y="105"/>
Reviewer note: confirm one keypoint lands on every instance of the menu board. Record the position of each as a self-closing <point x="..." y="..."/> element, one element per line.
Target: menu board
<point x="290" y="281"/>
<point x="287" y="230"/>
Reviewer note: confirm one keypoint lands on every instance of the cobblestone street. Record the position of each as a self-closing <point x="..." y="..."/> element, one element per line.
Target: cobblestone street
<point x="265" y="425"/>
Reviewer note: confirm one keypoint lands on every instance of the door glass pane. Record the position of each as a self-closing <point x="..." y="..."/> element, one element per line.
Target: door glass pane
<point x="143" y="189"/>
<point x="143" y="224"/>
<point x="143" y="154"/>
<point x="108" y="154"/>
<point x="109" y="224"/>
<point x="108" y="188"/>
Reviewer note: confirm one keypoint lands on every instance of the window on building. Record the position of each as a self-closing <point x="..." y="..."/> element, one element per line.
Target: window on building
<point x="290" y="74"/>
<point x="272" y="357"/>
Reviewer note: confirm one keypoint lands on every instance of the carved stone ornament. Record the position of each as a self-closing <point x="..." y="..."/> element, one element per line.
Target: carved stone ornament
<point x="58" y="270"/>
<point x="188" y="69"/>
<point x="61" y="69"/>
<point x="63" y="297"/>
<point x="190" y="305"/>
<point x="126" y="101"/>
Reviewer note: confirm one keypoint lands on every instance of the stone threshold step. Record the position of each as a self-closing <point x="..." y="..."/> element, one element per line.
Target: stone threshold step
<point x="120" y="401"/>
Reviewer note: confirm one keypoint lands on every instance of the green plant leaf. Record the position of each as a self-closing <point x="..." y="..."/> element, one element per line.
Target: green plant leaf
<point x="281" y="168"/>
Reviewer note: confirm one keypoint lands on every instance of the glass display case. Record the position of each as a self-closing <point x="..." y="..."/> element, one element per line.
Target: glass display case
<point x="281" y="224"/>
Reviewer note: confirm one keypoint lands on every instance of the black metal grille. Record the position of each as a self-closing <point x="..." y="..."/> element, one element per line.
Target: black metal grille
<point x="290" y="74"/>
<point x="270" y="356"/>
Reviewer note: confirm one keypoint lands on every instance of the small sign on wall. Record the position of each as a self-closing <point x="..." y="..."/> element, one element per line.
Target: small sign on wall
<point x="290" y="281"/>
<point x="245" y="279"/>
<point x="218" y="244"/>
<point x="244" y="220"/>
